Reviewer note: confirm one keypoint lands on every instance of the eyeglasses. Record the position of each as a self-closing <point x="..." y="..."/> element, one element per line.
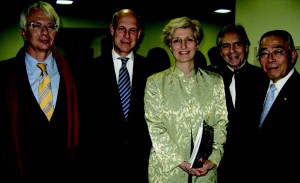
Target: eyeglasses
<point x="38" y="26"/>
<point x="178" y="41"/>
<point x="278" y="53"/>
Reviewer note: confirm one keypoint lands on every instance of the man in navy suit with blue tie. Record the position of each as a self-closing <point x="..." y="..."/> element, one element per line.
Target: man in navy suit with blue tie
<point x="277" y="154"/>
<point x="117" y="145"/>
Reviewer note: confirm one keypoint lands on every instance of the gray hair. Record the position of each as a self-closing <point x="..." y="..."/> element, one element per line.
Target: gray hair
<point x="44" y="7"/>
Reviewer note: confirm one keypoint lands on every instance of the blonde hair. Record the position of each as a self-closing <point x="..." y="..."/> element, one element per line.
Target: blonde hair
<point x="182" y="22"/>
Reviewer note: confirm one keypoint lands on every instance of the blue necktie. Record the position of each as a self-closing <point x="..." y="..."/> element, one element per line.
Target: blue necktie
<point x="124" y="86"/>
<point x="268" y="103"/>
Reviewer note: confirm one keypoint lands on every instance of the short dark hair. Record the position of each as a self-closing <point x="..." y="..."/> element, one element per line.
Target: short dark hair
<point x="285" y="35"/>
<point x="239" y="29"/>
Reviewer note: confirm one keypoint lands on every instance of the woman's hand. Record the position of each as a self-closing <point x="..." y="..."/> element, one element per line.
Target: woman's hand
<point x="202" y="171"/>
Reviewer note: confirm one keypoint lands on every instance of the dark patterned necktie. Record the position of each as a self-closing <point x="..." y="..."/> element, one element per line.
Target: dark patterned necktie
<point x="45" y="92"/>
<point x="124" y="86"/>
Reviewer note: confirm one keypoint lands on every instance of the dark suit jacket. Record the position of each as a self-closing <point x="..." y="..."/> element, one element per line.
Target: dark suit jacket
<point x="115" y="148"/>
<point x="242" y="127"/>
<point x="278" y="157"/>
<point x="42" y="144"/>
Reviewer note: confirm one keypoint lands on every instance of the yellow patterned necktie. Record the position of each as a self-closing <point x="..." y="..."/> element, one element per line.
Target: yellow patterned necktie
<point x="45" y="92"/>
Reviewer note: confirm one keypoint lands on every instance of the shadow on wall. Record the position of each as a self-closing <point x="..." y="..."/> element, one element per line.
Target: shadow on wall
<point x="215" y="58"/>
<point x="200" y="60"/>
<point x="158" y="60"/>
<point x="78" y="49"/>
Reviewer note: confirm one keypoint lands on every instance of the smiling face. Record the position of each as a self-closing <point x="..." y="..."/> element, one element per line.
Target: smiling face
<point x="233" y="50"/>
<point x="126" y="33"/>
<point x="183" y="45"/>
<point x="38" y="39"/>
<point x="275" y="57"/>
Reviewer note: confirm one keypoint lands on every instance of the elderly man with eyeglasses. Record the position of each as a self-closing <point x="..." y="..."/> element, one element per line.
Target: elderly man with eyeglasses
<point x="277" y="156"/>
<point x="34" y="144"/>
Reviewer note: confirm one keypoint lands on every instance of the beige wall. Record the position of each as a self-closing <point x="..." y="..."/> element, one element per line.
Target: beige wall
<point x="152" y="38"/>
<point x="260" y="16"/>
<point x="257" y="16"/>
<point x="11" y="40"/>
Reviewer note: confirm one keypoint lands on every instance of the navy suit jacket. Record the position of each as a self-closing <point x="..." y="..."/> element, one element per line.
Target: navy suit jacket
<point x="277" y="142"/>
<point x="110" y="141"/>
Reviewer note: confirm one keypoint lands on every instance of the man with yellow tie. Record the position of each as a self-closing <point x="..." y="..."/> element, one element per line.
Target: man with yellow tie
<point x="38" y="141"/>
<point x="45" y="92"/>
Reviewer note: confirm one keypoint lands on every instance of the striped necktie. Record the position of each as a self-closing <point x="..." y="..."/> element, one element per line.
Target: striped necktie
<point x="124" y="86"/>
<point x="45" y="92"/>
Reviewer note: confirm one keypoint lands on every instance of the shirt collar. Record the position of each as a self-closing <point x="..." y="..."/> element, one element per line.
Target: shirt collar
<point x="32" y="62"/>
<point x="237" y="70"/>
<point x="115" y="56"/>
<point x="279" y="84"/>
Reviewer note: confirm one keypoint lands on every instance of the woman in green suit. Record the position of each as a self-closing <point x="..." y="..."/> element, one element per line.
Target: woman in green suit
<point x="177" y="102"/>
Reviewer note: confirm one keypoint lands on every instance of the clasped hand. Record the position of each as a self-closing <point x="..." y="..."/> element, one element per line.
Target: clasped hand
<point x="202" y="171"/>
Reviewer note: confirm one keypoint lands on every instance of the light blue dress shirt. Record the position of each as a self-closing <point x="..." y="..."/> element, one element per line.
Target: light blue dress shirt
<point x="34" y="72"/>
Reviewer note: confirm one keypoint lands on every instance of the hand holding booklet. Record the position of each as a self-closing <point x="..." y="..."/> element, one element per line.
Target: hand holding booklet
<point x="202" y="146"/>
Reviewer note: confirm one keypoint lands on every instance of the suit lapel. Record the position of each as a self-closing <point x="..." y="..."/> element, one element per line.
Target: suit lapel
<point x="282" y="101"/>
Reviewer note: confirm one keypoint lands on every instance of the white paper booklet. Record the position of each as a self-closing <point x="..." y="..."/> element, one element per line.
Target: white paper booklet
<point x="194" y="158"/>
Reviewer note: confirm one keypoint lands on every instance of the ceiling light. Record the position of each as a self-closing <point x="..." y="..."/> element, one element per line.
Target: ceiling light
<point x="222" y="11"/>
<point x="64" y="2"/>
